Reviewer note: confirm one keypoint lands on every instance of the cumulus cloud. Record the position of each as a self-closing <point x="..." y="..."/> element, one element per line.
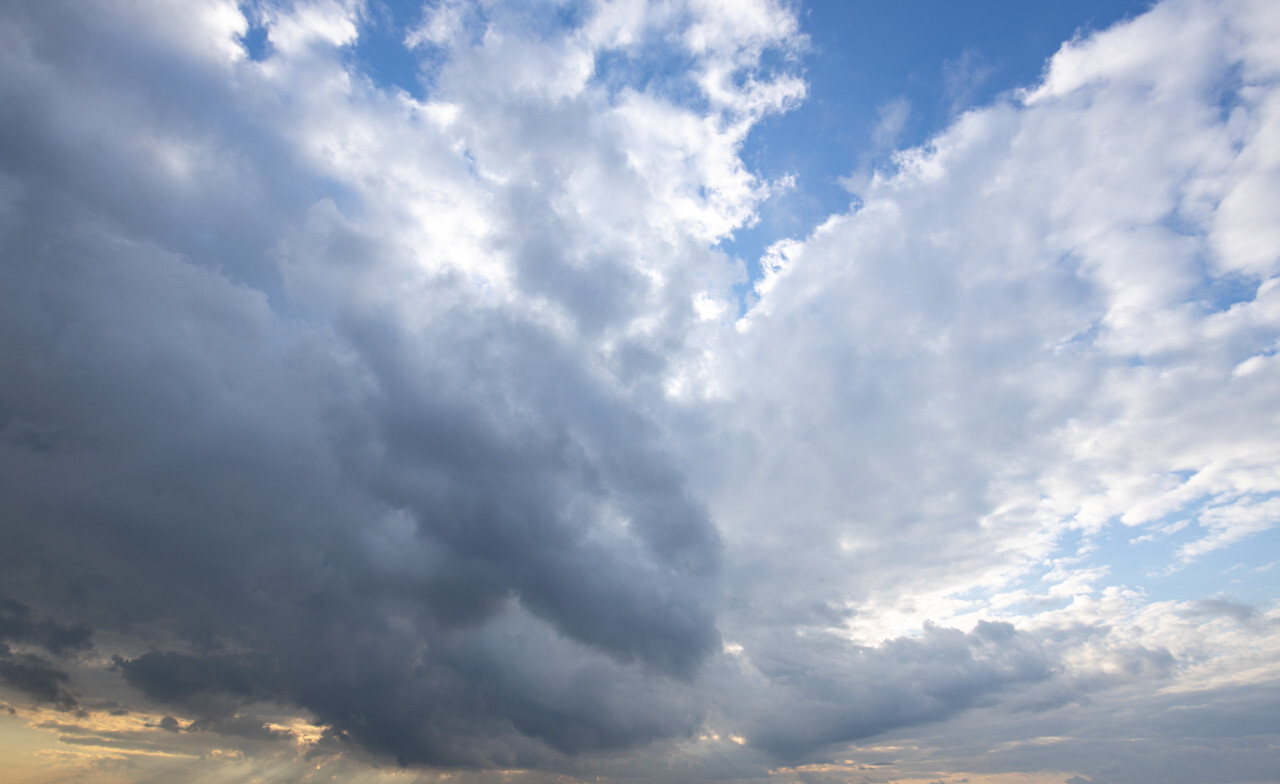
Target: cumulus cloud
<point x="1017" y="333"/>
<point x="369" y="406"/>
<point x="429" y="420"/>
<point x="31" y="672"/>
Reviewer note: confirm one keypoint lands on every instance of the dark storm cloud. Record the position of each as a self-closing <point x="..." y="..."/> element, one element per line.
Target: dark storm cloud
<point x="87" y="99"/>
<point x="202" y="490"/>
<point x="19" y="625"/>
<point x="33" y="674"/>
<point x="35" y="677"/>
<point x="841" y="693"/>
<point x="178" y="679"/>
<point x="413" y="529"/>
<point x="508" y="455"/>
<point x="239" y="726"/>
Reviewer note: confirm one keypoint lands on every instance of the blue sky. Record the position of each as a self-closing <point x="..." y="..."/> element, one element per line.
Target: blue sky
<point x="925" y="60"/>
<point x="640" y="390"/>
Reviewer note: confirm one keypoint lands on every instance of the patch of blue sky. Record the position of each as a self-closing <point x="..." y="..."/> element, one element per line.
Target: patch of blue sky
<point x="1217" y="291"/>
<point x="886" y="76"/>
<point x="1244" y="562"/>
<point x="255" y="39"/>
<point x="548" y="19"/>
<point x="1220" y="293"/>
<point x="343" y="195"/>
<point x="1230" y="96"/>
<point x="380" y="52"/>
<point x="1149" y="557"/>
<point x="659" y="69"/>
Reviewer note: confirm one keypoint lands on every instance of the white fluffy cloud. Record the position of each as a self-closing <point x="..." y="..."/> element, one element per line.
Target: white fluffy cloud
<point x="1033" y="329"/>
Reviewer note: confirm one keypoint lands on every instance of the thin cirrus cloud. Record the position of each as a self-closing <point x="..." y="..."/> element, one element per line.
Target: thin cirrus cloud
<point x="355" y="427"/>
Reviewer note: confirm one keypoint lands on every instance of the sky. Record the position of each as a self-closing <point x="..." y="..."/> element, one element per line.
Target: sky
<point x="639" y="391"/>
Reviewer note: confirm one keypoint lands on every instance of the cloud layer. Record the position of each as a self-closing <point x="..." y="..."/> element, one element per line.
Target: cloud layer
<point x="428" y="427"/>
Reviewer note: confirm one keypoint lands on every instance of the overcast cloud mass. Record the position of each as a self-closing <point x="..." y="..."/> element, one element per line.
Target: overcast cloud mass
<point x="354" y="431"/>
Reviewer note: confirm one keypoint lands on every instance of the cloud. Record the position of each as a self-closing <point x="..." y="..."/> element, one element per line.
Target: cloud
<point x="32" y="673"/>
<point x="963" y="76"/>
<point x="408" y="509"/>
<point x="35" y="677"/>
<point x="426" y="420"/>
<point x="1015" y="339"/>
<point x="822" y="692"/>
<point x="891" y="121"/>
<point x="19" y="625"/>
<point x="1009" y="339"/>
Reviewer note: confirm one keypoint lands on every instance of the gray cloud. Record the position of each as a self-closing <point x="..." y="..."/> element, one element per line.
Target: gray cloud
<point x="414" y="526"/>
<point x="19" y="625"/>
<point x="36" y="677"/>
<point x="826" y="693"/>
<point x="466" y="492"/>
<point x="33" y="674"/>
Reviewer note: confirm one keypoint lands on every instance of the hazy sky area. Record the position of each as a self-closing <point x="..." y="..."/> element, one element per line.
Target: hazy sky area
<point x="676" y="391"/>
